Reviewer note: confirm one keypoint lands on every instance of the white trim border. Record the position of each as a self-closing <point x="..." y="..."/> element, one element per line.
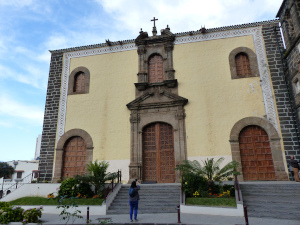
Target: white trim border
<point x="256" y="32"/>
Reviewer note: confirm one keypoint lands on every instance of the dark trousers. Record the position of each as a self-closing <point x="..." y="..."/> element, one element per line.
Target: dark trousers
<point x="134" y="205"/>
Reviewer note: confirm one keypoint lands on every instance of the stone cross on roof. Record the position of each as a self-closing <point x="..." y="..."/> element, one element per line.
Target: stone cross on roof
<point x="154" y="21"/>
<point x="154" y="31"/>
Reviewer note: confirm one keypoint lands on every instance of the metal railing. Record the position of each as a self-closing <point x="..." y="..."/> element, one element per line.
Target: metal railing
<point x="19" y="183"/>
<point x="182" y="200"/>
<point x="237" y="187"/>
<point x="110" y="187"/>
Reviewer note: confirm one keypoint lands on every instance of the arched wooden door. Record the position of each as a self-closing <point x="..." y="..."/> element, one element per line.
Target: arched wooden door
<point x="158" y="153"/>
<point x="256" y="156"/>
<point x="74" y="158"/>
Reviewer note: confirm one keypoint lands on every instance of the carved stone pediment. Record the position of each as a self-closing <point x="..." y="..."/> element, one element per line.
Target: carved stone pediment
<point x="157" y="99"/>
<point x="165" y="37"/>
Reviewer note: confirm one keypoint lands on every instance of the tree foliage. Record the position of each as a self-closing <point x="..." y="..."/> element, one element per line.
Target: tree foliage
<point x="98" y="175"/>
<point x="6" y="170"/>
<point x="210" y="169"/>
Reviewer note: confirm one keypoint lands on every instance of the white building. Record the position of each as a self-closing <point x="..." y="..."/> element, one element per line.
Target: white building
<point x="38" y="147"/>
<point x="26" y="171"/>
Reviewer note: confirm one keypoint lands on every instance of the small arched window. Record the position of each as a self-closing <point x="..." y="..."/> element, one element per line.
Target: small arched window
<point x="79" y="83"/>
<point x="155" y="69"/>
<point x="242" y="64"/>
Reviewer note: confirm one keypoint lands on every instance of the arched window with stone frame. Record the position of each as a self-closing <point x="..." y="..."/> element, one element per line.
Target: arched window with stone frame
<point x="243" y="63"/>
<point x="155" y="69"/>
<point x="79" y="81"/>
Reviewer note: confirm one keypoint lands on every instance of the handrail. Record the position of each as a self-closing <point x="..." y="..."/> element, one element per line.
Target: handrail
<point x="237" y="187"/>
<point x="111" y="185"/>
<point x="25" y="180"/>
<point x="182" y="193"/>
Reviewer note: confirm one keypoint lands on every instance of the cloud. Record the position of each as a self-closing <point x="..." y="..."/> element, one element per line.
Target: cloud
<point x="187" y="15"/>
<point x="5" y="124"/>
<point x="30" y="75"/>
<point x="16" y="3"/>
<point x="10" y="107"/>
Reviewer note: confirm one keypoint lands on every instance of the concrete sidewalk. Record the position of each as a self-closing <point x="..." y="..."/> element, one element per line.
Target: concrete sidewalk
<point x="171" y="218"/>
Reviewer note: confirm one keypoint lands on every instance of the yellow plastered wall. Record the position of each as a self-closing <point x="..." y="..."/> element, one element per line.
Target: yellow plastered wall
<point x="103" y="112"/>
<point x="216" y="102"/>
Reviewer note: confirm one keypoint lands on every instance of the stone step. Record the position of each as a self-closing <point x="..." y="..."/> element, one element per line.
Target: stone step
<point x="141" y="211"/>
<point x="150" y="195"/>
<point x="153" y="189"/>
<point x="274" y="214"/>
<point x="148" y="192"/>
<point x="270" y="190"/>
<point x="272" y="207"/>
<point x="272" y="200"/>
<point x="145" y="204"/>
<point x="142" y="199"/>
<point x="169" y="198"/>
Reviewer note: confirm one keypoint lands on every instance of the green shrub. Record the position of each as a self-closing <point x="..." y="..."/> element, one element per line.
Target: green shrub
<point x="192" y="183"/>
<point x="17" y="214"/>
<point x="229" y="188"/>
<point x="11" y="214"/>
<point x="204" y="194"/>
<point x="73" y="187"/>
<point x="32" y="215"/>
<point x="4" y="205"/>
<point x="97" y="176"/>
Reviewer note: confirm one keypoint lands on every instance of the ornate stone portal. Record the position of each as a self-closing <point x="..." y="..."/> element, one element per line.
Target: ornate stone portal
<point x="157" y="100"/>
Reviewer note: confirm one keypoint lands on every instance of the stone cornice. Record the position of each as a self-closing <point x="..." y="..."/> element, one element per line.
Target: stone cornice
<point x="131" y="41"/>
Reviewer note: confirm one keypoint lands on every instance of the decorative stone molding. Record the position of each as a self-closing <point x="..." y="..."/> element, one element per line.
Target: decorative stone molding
<point x="252" y="59"/>
<point x="71" y="80"/>
<point x="162" y="45"/>
<point x="60" y="150"/>
<point x="221" y="33"/>
<point x="156" y="104"/>
<point x="274" y="139"/>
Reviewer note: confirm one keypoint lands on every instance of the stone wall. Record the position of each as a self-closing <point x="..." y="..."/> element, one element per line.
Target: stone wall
<point x="50" y="117"/>
<point x="282" y="95"/>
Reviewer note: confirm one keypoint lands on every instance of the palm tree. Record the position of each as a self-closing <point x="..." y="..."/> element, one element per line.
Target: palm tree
<point x="98" y="175"/>
<point x="210" y="170"/>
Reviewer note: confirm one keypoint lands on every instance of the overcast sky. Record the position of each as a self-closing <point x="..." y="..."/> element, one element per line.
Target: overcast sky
<point x="29" y="28"/>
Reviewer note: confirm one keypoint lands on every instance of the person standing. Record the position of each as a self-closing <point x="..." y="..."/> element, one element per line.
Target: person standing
<point x="295" y="167"/>
<point x="134" y="199"/>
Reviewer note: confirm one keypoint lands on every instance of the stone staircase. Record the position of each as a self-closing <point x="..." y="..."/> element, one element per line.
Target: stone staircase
<point x="280" y="200"/>
<point x="154" y="198"/>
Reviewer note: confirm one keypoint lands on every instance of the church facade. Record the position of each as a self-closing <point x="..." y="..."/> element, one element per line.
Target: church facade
<point x="147" y="104"/>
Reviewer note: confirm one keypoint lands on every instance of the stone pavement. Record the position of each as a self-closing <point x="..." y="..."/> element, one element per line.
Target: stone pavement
<point x="171" y="218"/>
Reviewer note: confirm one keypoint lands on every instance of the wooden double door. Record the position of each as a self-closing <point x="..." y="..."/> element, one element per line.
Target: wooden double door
<point x="158" y="153"/>
<point x="256" y="156"/>
<point x="74" y="157"/>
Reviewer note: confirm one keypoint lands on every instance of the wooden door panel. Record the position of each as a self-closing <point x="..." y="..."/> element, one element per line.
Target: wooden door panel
<point x="158" y="153"/>
<point x="74" y="157"/>
<point x="155" y="70"/>
<point x="256" y="156"/>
